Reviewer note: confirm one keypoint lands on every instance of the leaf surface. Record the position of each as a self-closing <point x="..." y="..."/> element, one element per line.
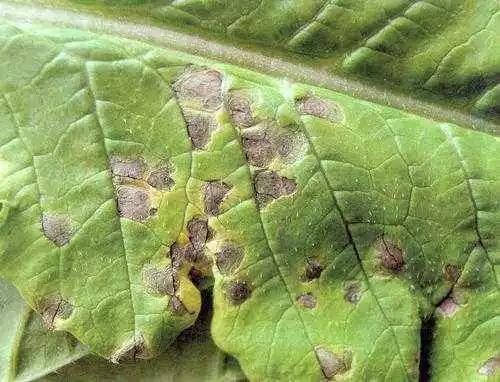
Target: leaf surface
<point x="335" y="226"/>
<point x="192" y="356"/>
<point x="30" y="352"/>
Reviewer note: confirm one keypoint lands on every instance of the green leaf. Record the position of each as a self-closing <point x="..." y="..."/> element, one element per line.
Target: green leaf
<point x="30" y="352"/>
<point x="333" y="226"/>
<point x="434" y="49"/>
<point x="192" y="356"/>
<point x="27" y="350"/>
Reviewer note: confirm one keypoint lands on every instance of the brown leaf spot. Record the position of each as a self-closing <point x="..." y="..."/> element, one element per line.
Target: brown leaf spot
<point x="162" y="281"/>
<point x="285" y="144"/>
<point x="127" y="167"/>
<point x="352" y="293"/>
<point x="307" y="300"/>
<point x="57" y="229"/>
<point x="238" y="292"/>
<point x="490" y="367"/>
<point x="131" y="351"/>
<point x="448" y="307"/>
<point x="133" y="203"/>
<point x="228" y="258"/>
<point x="451" y="273"/>
<point x="199" y="129"/>
<point x="313" y="270"/>
<point x="199" y="233"/>
<point x="317" y="107"/>
<point x="214" y="194"/>
<point x="391" y="257"/>
<point x="269" y="185"/>
<point x="53" y="309"/>
<point x="161" y="179"/>
<point x="331" y="363"/>
<point x="203" y="87"/>
<point x="240" y="110"/>
<point x="259" y="148"/>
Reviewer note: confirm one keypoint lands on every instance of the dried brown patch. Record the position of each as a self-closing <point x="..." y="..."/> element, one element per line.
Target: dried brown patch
<point x="240" y="110"/>
<point x="214" y="194"/>
<point x="307" y="300"/>
<point x="162" y="281"/>
<point x="229" y="258"/>
<point x="194" y="251"/>
<point x="391" y="256"/>
<point x="53" y="309"/>
<point x="127" y="167"/>
<point x="135" y="349"/>
<point x="161" y="178"/>
<point x="199" y="128"/>
<point x="269" y="185"/>
<point x="259" y="148"/>
<point x="451" y="273"/>
<point x="238" y="292"/>
<point x="285" y="144"/>
<point x="57" y="229"/>
<point x="448" y="307"/>
<point x="133" y="203"/>
<point x="313" y="270"/>
<point x="203" y="87"/>
<point x="352" y="292"/>
<point x="312" y="105"/>
<point x="199" y="232"/>
<point x="331" y="363"/>
<point x="490" y="367"/>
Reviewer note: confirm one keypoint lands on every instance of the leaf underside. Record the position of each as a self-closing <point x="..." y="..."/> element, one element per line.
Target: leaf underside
<point x="333" y="227"/>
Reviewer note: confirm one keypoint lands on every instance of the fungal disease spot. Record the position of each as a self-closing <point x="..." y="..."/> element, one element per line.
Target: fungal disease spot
<point x="57" y="229"/>
<point x="213" y="195"/>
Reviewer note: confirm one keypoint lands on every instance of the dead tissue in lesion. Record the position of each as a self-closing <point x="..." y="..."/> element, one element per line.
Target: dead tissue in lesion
<point x="135" y="182"/>
<point x="54" y="308"/>
<point x="57" y="228"/>
<point x="199" y="92"/>
<point x="311" y="104"/>
<point x="187" y="258"/>
<point x="267" y="146"/>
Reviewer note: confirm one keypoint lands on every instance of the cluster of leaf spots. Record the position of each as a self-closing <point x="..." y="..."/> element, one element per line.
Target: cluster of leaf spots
<point x="332" y="227"/>
<point x="132" y="193"/>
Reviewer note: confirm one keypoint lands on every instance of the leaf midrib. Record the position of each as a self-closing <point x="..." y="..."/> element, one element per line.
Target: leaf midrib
<point x="169" y="38"/>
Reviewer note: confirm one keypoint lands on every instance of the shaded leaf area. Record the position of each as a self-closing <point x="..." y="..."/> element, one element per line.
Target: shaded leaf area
<point x="439" y="48"/>
<point x="27" y="350"/>
<point x="332" y="226"/>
